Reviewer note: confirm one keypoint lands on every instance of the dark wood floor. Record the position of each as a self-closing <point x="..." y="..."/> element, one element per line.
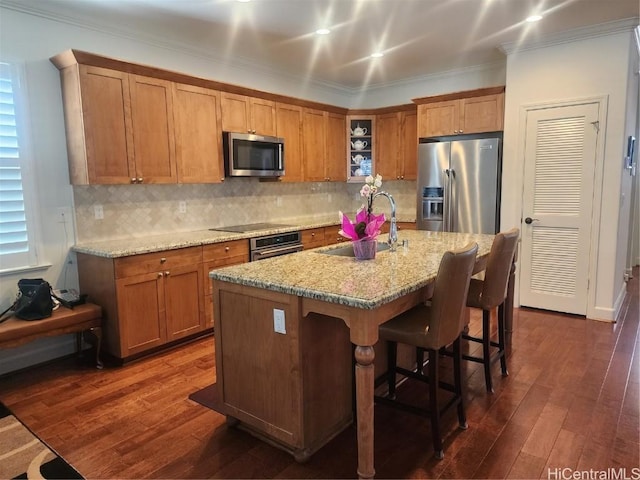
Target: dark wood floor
<point x="571" y="401"/>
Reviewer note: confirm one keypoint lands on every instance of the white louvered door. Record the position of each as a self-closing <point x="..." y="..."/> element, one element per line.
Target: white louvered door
<point x="560" y="153"/>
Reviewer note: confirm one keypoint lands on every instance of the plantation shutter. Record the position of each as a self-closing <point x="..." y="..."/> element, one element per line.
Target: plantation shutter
<point x="14" y="238"/>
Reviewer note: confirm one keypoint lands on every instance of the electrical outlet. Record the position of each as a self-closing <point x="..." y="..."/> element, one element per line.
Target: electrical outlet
<point x="182" y="206"/>
<point x="278" y="321"/>
<point x="98" y="212"/>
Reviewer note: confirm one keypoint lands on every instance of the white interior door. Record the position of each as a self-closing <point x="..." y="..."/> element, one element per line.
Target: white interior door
<point x="560" y="157"/>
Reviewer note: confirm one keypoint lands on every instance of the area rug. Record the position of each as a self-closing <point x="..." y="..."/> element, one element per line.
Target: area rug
<point x="23" y="455"/>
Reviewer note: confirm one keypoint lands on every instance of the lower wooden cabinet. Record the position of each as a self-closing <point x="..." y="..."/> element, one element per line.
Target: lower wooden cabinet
<point x="331" y="235"/>
<point x="148" y="300"/>
<point x="219" y="255"/>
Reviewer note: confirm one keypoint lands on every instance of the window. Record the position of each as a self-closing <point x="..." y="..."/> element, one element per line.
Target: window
<point x="17" y="242"/>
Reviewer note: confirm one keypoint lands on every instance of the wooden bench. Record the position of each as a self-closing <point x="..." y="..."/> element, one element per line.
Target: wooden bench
<point x="80" y="319"/>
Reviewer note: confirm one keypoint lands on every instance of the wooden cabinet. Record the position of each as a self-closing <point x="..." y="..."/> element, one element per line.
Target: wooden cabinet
<point x="473" y="113"/>
<point x="289" y="127"/>
<point x="119" y="127"/>
<point x="331" y="235"/>
<point x="241" y="113"/>
<point x="198" y="134"/>
<point x="335" y="147"/>
<point x="148" y="300"/>
<point x="97" y="107"/>
<point x="153" y="133"/>
<point x="219" y="255"/>
<point x="397" y="145"/>
<point x="292" y="388"/>
<point x="313" y="237"/>
<point x="314" y="144"/>
<point x="361" y="132"/>
<point x="401" y="226"/>
<point x="323" y="146"/>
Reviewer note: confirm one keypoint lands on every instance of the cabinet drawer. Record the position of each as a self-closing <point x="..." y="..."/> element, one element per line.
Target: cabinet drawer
<point x="226" y="250"/>
<point x="331" y="235"/>
<point x="312" y="236"/>
<point x="153" y="262"/>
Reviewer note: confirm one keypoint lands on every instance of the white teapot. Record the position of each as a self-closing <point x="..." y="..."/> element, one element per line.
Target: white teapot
<point x="359" y="131"/>
<point x="359" y="145"/>
<point x="357" y="158"/>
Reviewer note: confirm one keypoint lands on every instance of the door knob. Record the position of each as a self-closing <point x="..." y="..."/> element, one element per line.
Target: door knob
<point x="530" y="220"/>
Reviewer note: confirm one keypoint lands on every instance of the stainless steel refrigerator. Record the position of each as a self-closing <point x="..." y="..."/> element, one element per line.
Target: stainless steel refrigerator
<point x="459" y="184"/>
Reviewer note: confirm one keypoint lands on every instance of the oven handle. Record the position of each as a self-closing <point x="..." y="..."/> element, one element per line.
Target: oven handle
<point x="272" y="252"/>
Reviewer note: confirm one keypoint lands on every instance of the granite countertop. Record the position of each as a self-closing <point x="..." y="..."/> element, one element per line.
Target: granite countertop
<point x="344" y="280"/>
<point x="157" y="243"/>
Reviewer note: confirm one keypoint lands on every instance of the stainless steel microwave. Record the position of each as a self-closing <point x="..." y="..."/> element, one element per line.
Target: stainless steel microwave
<point x="249" y="155"/>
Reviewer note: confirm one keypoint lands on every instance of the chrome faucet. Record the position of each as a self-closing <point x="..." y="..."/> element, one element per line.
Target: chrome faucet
<point x="393" y="229"/>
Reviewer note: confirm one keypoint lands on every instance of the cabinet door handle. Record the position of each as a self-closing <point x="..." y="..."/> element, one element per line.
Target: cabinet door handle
<point x="226" y="249"/>
<point x="159" y="274"/>
<point x="163" y="259"/>
<point x="139" y="179"/>
<point x="313" y="234"/>
<point x="133" y="179"/>
<point x="166" y="274"/>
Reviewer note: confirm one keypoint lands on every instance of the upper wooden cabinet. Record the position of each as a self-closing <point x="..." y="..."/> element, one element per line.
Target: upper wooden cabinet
<point x="119" y="127"/>
<point x="198" y="141"/>
<point x="397" y="145"/>
<point x="289" y="127"/>
<point x="362" y="141"/>
<point x="241" y="113"/>
<point x="336" y="146"/>
<point x="475" y="111"/>
<point x="323" y="146"/>
<point x="97" y="110"/>
<point x="153" y="132"/>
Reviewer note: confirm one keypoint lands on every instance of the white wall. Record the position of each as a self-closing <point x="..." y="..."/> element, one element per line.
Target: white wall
<point x="584" y="68"/>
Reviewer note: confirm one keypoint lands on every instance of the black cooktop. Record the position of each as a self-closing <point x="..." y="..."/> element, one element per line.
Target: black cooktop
<point x="252" y="227"/>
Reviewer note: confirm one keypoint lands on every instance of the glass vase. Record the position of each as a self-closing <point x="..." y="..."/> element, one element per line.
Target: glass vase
<point x="365" y="249"/>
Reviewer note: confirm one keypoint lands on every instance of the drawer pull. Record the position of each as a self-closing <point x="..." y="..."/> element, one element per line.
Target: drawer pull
<point x="166" y="274"/>
<point x="163" y="259"/>
<point x="159" y="274"/>
<point x="226" y="249"/>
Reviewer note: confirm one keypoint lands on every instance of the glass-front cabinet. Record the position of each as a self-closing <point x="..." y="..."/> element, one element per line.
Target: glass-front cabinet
<point x="360" y="147"/>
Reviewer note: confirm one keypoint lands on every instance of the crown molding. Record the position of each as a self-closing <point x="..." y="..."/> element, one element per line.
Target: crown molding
<point x="430" y="77"/>
<point x="582" y="33"/>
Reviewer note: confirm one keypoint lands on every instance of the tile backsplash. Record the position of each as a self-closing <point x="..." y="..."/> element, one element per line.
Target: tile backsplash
<point x="133" y="211"/>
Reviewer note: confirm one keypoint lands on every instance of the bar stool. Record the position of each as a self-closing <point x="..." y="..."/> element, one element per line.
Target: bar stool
<point x="488" y="294"/>
<point x="430" y="327"/>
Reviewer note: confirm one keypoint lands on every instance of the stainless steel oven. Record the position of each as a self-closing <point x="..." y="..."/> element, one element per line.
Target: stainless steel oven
<point x="269" y="246"/>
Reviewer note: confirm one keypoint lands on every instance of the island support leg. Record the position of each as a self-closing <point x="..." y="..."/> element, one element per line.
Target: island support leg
<point x="364" y="356"/>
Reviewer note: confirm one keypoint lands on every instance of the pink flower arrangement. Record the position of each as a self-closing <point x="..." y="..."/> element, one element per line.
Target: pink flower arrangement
<point x="367" y="225"/>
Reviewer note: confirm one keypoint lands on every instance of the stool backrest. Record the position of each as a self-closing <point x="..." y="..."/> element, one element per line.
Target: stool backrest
<point x="450" y="295"/>
<point x="496" y="277"/>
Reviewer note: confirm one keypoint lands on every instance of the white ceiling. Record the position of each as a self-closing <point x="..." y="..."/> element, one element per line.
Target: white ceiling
<point x="418" y="37"/>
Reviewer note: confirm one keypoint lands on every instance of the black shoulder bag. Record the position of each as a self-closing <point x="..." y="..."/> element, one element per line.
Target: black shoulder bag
<point x="34" y="300"/>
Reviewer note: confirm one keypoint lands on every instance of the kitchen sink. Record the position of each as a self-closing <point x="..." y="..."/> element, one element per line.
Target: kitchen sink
<point x="347" y="250"/>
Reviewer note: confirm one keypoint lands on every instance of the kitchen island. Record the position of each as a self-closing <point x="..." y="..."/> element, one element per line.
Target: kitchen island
<point x="284" y="329"/>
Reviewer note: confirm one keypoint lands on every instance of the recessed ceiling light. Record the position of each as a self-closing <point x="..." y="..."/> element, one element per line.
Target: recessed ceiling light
<point x="323" y="31"/>
<point x="377" y="55"/>
<point x="534" y="18"/>
<point x="244" y="1"/>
